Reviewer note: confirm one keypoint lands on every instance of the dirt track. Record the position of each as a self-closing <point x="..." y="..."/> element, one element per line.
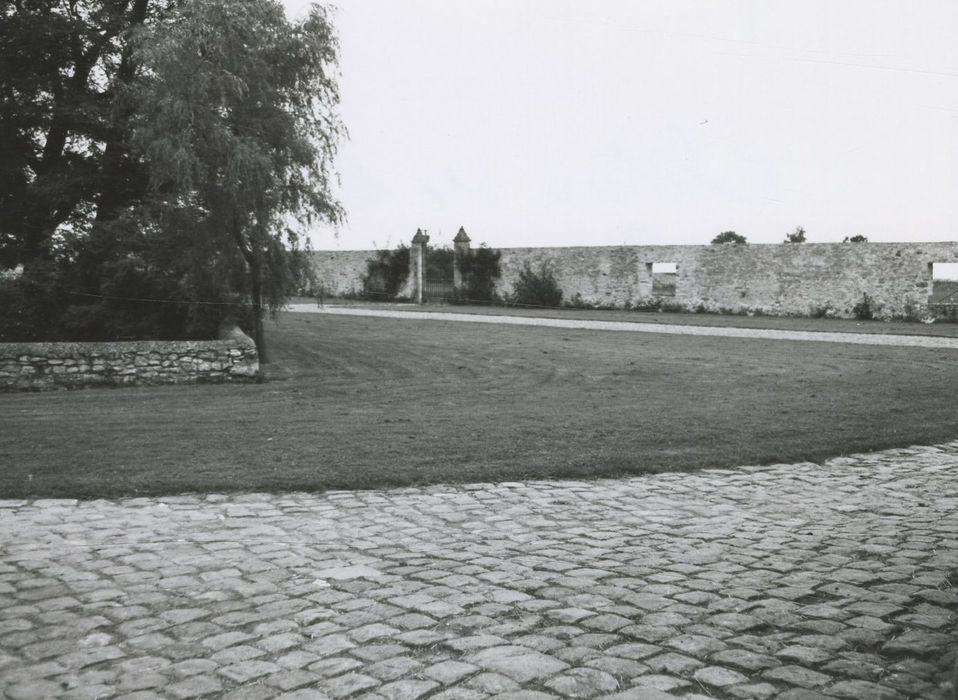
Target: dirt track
<point x="918" y="341"/>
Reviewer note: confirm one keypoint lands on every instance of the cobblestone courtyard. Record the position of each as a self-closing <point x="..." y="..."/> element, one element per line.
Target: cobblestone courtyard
<point x="793" y="581"/>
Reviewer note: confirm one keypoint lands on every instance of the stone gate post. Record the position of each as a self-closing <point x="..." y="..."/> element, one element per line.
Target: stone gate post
<point x="460" y="249"/>
<point x="417" y="261"/>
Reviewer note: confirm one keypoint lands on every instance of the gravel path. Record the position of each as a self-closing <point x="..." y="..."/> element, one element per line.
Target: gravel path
<point x="917" y="341"/>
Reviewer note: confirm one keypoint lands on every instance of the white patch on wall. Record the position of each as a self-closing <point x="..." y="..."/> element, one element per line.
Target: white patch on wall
<point x="944" y="271"/>
<point x="665" y="268"/>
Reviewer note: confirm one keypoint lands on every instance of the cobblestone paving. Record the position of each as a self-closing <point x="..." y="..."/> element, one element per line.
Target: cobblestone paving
<point x="791" y="581"/>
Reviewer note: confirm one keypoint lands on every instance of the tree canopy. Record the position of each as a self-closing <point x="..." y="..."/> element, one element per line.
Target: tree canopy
<point x="796" y="236"/>
<point x="63" y="69"/>
<point x="729" y="237"/>
<point x="172" y="149"/>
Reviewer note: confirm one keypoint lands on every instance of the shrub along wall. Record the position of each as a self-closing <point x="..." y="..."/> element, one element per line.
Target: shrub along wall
<point x="42" y="366"/>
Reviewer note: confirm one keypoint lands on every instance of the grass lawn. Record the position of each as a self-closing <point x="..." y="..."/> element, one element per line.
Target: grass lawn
<point x="358" y="402"/>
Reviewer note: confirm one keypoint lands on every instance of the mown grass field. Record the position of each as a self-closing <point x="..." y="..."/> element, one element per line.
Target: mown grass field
<point x="369" y="402"/>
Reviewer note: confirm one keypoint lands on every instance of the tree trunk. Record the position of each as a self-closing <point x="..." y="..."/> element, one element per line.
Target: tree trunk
<point x="259" y="336"/>
<point x="122" y="183"/>
<point x="255" y="266"/>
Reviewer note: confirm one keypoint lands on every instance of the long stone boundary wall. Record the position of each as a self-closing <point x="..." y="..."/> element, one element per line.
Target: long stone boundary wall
<point x="340" y="272"/>
<point x="43" y="366"/>
<point x="777" y="279"/>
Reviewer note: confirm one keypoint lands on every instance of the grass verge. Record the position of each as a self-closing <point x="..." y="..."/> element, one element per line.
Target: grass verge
<point x="360" y="402"/>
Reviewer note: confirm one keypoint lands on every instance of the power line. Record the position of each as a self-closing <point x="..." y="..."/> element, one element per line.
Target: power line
<point x="159" y="301"/>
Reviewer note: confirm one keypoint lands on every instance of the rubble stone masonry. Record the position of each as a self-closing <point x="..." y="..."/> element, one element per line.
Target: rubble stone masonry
<point x="42" y="366"/>
<point x="778" y="279"/>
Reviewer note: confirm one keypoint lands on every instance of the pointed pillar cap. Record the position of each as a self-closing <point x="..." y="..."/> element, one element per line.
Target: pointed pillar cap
<point x="420" y="237"/>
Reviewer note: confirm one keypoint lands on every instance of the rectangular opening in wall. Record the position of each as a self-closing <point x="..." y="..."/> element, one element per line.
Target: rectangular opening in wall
<point x="664" y="277"/>
<point x="944" y="283"/>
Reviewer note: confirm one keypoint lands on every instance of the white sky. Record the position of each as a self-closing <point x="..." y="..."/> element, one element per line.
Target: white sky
<point x="560" y="122"/>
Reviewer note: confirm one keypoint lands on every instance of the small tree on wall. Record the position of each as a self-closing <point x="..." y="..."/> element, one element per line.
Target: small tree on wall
<point x="729" y="237"/>
<point x="796" y="236"/>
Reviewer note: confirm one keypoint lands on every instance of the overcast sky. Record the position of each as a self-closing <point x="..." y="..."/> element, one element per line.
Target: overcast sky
<point x="559" y="122"/>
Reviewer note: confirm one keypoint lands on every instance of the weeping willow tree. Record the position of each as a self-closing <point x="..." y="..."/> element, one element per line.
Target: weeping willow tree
<point x="236" y="122"/>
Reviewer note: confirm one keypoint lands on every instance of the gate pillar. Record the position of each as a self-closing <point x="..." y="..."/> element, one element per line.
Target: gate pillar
<point x="417" y="261"/>
<point x="460" y="249"/>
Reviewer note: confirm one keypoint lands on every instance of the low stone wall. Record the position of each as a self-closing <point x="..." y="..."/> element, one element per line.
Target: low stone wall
<point x="43" y="366"/>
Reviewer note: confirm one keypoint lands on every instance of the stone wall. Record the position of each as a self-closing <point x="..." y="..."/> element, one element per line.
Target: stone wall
<point x="778" y="279"/>
<point x="42" y="366"/>
<point x="340" y="272"/>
